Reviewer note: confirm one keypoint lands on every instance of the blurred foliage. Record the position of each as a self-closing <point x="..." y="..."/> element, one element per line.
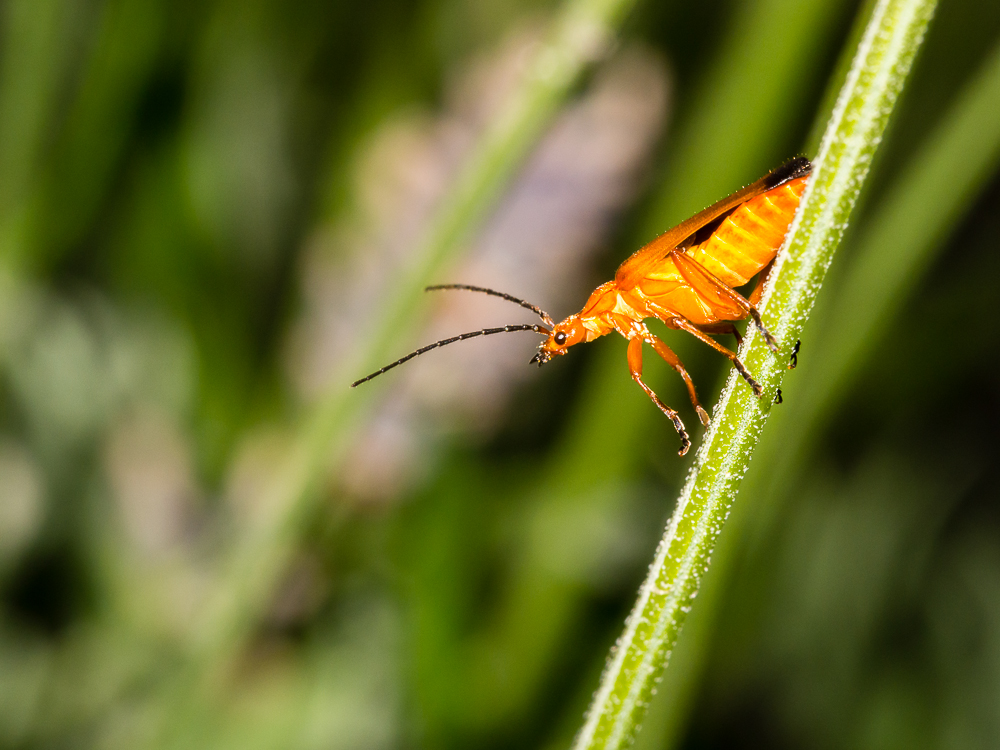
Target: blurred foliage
<point x="168" y="174"/>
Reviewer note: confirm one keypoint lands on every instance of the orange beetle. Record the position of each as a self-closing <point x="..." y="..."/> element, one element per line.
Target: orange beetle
<point x="685" y="278"/>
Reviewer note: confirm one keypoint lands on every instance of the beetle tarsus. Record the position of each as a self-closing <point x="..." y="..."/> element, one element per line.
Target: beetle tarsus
<point x="772" y="343"/>
<point x="742" y="370"/>
<point x="685" y="441"/>
<point x="793" y="360"/>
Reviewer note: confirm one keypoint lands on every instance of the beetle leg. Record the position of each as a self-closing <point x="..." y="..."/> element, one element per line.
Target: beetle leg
<point x="685" y="325"/>
<point x="674" y="361"/>
<point x="635" y="368"/>
<point x="758" y="288"/>
<point x="723" y="327"/>
<point x="708" y="286"/>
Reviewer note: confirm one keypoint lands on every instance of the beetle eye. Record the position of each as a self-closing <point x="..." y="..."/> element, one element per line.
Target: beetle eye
<point x="560" y="338"/>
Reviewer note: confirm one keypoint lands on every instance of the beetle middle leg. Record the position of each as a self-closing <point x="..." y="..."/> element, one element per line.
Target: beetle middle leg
<point x="686" y="325"/>
<point x="635" y="368"/>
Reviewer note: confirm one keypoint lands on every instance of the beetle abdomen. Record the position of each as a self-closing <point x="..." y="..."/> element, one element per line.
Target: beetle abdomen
<point x="748" y="239"/>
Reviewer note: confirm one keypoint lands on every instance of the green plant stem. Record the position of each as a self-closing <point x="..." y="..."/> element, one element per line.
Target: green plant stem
<point x="897" y="245"/>
<point x="582" y="33"/>
<point x="883" y="60"/>
<point x="765" y="59"/>
<point x="897" y="248"/>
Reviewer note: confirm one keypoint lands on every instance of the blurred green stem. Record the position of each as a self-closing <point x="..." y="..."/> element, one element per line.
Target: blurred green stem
<point x="37" y="41"/>
<point x="582" y="33"/>
<point x="883" y="60"/>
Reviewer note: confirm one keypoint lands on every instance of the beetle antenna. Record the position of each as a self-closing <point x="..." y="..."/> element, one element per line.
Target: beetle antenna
<point x="444" y="342"/>
<point x="546" y="318"/>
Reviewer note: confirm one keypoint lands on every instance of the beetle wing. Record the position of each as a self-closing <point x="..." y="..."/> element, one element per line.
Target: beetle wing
<point x="635" y="266"/>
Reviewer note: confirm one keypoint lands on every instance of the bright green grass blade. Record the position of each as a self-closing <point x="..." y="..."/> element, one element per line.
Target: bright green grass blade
<point x="894" y="250"/>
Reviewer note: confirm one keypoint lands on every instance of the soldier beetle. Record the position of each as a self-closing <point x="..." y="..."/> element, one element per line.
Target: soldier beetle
<point x="685" y="278"/>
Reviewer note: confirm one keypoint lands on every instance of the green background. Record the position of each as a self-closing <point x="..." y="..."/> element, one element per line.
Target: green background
<point x="170" y="176"/>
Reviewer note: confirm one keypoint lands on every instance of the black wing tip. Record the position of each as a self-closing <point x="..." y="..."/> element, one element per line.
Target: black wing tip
<point x="792" y="169"/>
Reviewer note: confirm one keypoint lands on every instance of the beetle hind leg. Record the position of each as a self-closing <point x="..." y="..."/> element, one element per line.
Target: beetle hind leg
<point x="715" y="292"/>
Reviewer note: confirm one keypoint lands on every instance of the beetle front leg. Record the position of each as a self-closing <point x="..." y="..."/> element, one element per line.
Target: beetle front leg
<point x="635" y="368"/>
<point x="674" y="361"/>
